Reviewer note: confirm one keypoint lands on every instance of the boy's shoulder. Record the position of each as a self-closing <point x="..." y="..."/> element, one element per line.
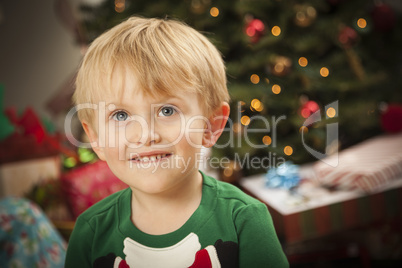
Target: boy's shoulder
<point x="105" y="205"/>
<point x="229" y="192"/>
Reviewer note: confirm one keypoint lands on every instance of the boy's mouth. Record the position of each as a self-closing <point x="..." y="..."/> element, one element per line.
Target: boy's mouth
<point x="150" y="157"/>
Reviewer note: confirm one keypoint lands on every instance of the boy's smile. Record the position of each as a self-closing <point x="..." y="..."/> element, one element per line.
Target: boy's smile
<point x="152" y="156"/>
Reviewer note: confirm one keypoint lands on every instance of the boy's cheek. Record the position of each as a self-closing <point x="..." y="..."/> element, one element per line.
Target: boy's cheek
<point x="193" y="137"/>
<point x="195" y="141"/>
<point x="170" y="133"/>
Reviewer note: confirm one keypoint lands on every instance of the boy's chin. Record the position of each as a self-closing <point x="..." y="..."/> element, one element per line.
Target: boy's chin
<point x="153" y="184"/>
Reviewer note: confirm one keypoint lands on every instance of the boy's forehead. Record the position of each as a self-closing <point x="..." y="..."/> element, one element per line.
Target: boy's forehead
<point x="126" y="83"/>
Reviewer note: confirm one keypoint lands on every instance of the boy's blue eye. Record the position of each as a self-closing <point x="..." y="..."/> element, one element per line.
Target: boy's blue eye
<point x="120" y="116"/>
<point x="166" y="111"/>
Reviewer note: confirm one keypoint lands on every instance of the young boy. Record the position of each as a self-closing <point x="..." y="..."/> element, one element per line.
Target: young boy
<point x="157" y="93"/>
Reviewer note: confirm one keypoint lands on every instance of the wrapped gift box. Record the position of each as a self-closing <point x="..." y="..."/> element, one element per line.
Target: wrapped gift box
<point x="365" y="166"/>
<point x="88" y="184"/>
<point x="315" y="211"/>
<point x="28" y="153"/>
<point x="17" y="178"/>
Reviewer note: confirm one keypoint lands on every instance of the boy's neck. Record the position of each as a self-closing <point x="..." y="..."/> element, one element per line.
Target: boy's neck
<point x="166" y="212"/>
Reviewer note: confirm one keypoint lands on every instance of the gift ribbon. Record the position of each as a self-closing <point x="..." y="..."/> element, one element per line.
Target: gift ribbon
<point x="284" y="176"/>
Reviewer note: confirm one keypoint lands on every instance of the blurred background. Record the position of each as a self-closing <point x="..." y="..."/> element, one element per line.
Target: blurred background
<point x="284" y="58"/>
<point x="301" y="65"/>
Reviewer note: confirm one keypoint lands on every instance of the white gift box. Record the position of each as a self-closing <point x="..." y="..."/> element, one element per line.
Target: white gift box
<point x="18" y="178"/>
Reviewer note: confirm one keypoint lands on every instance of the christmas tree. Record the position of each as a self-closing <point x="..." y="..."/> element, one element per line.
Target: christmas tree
<point x="294" y="68"/>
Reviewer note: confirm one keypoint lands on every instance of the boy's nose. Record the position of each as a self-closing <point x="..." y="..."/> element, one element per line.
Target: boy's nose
<point x="152" y="137"/>
<point x="141" y="132"/>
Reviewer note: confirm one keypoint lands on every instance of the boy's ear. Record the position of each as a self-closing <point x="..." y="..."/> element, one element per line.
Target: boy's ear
<point x="94" y="139"/>
<point x="216" y="125"/>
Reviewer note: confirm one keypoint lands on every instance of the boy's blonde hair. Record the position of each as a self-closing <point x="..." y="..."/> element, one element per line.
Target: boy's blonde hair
<point x="166" y="56"/>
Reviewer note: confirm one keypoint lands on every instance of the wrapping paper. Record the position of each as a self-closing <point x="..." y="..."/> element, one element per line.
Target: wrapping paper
<point x="366" y="166"/>
<point x="333" y="218"/>
<point x="29" y="138"/>
<point x="88" y="184"/>
<point x="27" y="237"/>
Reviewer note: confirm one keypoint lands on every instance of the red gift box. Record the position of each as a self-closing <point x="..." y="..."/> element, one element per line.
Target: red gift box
<point x="88" y="184"/>
<point x="29" y="140"/>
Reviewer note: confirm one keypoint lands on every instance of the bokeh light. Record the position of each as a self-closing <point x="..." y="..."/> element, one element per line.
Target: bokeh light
<point x="255" y="79"/>
<point x="245" y="120"/>
<point x="119" y="5"/>
<point x="276" y="31"/>
<point x="303" y="61"/>
<point x="228" y="172"/>
<point x="303" y="129"/>
<point x="267" y="140"/>
<point x="288" y="150"/>
<point x="331" y="112"/>
<point x="362" y="23"/>
<point x="324" y="72"/>
<point x="237" y="128"/>
<point x="214" y="11"/>
<point x="276" y="89"/>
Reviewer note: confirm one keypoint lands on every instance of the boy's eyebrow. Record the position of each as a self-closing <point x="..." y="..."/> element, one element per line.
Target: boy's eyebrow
<point x="159" y="101"/>
<point x="167" y="99"/>
<point x="170" y="98"/>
